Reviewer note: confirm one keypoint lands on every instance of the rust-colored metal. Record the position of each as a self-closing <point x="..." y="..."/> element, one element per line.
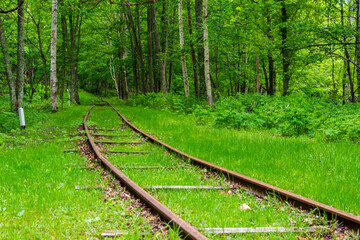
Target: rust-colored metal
<point x="187" y="231"/>
<point x="258" y="187"/>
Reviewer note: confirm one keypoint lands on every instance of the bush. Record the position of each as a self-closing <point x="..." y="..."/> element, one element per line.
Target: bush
<point x="294" y="115"/>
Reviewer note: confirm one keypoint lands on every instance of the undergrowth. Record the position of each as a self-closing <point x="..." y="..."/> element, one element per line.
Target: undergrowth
<point x="294" y="115"/>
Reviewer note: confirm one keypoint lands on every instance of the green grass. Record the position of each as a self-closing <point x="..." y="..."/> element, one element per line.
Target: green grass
<point x="201" y="208"/>
<point x="38" y="199"/>
<point x="37" y="179"/>
<point x="326" y="172"/>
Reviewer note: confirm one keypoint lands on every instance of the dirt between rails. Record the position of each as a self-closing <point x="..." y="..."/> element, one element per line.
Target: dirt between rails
<point x="115" y="190"/>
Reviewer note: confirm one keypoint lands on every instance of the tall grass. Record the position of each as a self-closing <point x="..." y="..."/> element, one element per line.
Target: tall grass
<point x="326" y="172"/>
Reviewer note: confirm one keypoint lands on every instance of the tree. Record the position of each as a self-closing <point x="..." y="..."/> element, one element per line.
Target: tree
<point x="10" y="79"/>
<point x="357" y="47"/>
<point x="20" y="56"/>
<point x="206" y="56"/>
<point x="183" y="60"/>
<point x="53" y="71"/>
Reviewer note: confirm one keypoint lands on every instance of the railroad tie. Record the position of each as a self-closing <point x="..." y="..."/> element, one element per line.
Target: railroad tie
<point x="126" y="152"/>
<point x="119" y="142"/>
<point x="86" y="187"/>
<point x="117" y="233"/>
<point x="192" y="187"/>
<point x="149" y="167"/>
<point x="260" y="230"/>
<point x="72" y="150"/>
<point x="109" y="136"/>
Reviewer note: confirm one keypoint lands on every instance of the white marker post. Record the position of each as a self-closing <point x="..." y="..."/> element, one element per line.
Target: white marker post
<point x="22" y="117"/>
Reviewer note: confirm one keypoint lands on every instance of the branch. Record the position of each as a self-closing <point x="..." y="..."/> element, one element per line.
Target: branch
<point x="14" y="9"/>
<point x="134" y="4"/>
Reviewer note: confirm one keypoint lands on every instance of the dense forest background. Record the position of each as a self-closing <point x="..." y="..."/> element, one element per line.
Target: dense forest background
<point x="272" y="47"/>
<point x="205" y="50"/>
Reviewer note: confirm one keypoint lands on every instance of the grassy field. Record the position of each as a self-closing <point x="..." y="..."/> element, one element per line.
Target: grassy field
<point x="37" y="179"/>
<point x="38" y="199"/>
<point x="201" y="208"/>
<point x="326" y="172"/>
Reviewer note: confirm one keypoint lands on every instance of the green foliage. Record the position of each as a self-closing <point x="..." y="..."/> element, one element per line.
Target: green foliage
<point x="294" y="115"/>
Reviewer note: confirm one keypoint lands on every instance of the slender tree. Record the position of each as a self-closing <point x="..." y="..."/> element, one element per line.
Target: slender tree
<point x="20" y="56"/>
<point x="10" y="78"/>
<point x="207" y="56"/>
<point x="200" y="45"/>
<point x="183" y="60"/>
<point x="53" y="71"/>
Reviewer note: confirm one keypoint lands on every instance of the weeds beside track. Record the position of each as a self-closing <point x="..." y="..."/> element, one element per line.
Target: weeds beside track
<point x="268" y="214"/>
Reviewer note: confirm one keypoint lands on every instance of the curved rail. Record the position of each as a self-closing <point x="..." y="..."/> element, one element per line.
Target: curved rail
<point x="187" y="230"/>
<point x="258" y="187"/>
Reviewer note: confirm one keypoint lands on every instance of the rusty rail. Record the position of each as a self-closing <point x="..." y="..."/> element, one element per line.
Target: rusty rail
<point x="187" y="230"/>
<point x="258" y="187"/>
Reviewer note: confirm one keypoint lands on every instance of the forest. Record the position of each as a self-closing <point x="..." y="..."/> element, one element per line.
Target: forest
<point x="233" y="115"/>
<point x="292" y="66"/>
<point x="193" y="48"/>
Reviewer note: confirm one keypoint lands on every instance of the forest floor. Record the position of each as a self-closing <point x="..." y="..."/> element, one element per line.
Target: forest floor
<point x="38" y="198"/>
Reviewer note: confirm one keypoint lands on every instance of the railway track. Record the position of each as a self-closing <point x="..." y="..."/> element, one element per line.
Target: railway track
<point x="159" y="178"/>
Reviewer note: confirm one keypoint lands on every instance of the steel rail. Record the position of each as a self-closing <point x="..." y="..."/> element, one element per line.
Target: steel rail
<point x="258" y="187"/>
<point x="187" y="231"/>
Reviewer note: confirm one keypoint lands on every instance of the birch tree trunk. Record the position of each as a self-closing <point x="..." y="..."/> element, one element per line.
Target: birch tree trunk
<point x="183" y="61"/>
<point x="113" y="76"/>
<point x="53" y="77"/>
<point x="192" y="50"/>
<point x="20" y="56"/>
<point x="9" y="75"/>
<point x="206" y="57"/>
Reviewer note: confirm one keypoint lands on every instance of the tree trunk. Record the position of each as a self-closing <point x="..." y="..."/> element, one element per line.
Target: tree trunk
<point x="20" y="56"/>
<point x="64" y="56"/>
<point x="10" y="79"/>
<point x="200" y="45"/>
<point x="126" y="86"/>
<point x="73" y="30"/>
<point x="77" y="98"/>
<point x="137" y="47"/>
<point x="347" y="57"/>
<point x="149" y="56"/>
<point x="183" y="60"/>
<point x="257" y="70"/>
<point x="284" y="49"/>
<point x="140" y="53"/>
<point x="266" y="76"/>
<point x="207" y="57"/>
<point x="158" y="51"/>
<point x="113" y="77"/>
<point x="272" y="76"/>
<point x="53" y="77"/>
<point x="357" y="47"/>
<point x="192" y="50"/>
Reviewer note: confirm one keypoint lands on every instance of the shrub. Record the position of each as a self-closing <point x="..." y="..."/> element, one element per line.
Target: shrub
<point x="293" y="115"/>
